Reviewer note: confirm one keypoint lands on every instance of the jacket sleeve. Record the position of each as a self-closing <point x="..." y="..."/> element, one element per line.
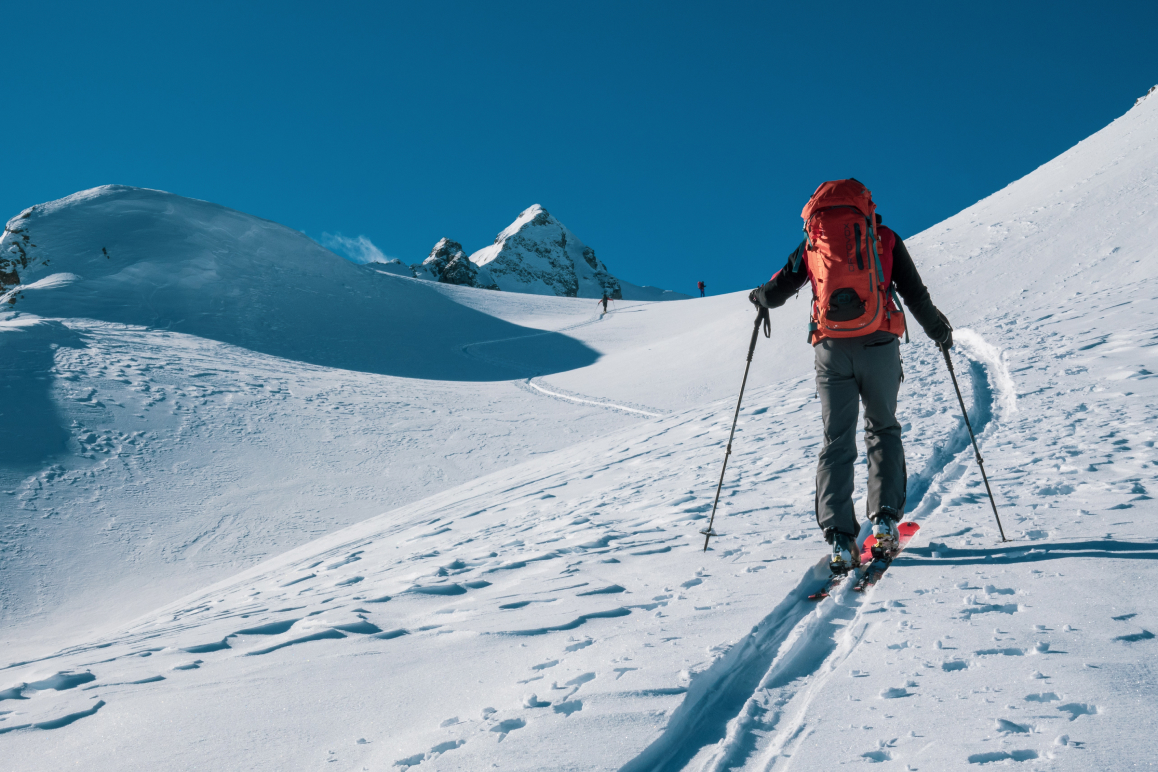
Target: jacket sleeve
<point x="787" y="281"/>
<point x="916" y="296"/>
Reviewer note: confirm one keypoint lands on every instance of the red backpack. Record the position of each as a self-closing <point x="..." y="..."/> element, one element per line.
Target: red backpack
<point x="850" y="292"/>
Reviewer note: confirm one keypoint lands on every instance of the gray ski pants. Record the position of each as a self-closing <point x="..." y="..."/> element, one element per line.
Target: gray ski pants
<point x="850" y="371"/>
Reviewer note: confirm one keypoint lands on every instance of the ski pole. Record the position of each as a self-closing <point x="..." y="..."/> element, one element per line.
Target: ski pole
<point x="976" y="452"/>
<point x="762" y="316"/>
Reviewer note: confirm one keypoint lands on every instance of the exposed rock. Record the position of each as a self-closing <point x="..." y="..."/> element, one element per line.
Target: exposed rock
<point x="448" y="264"/>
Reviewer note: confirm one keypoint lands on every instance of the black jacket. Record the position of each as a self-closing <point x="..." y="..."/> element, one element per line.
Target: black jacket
<point x="905" y="278"/>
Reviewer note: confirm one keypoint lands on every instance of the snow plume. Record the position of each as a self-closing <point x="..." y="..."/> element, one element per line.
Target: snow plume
<point x="360" y="250"/>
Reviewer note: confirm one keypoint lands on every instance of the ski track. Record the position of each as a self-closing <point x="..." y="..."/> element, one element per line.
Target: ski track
<point x="584" y="399"/>
<point x="610" y="405"/>
<point x="752" y="704"/>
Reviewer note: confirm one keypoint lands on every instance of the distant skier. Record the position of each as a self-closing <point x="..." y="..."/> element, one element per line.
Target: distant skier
<point x="604" y="300"/>
<point x="701" y="286"/>
<point x="855" y="264"/>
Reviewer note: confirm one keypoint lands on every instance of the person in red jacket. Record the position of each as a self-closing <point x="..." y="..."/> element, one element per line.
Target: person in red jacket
<point x="860" y="369"/>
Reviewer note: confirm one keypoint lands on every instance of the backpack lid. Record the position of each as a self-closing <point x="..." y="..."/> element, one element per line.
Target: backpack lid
<point x="848" y="192"/>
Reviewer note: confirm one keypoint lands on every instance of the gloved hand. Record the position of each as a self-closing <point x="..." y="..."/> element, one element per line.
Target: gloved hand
<point x="753" y="298"/>
<point x="944" y="340"/>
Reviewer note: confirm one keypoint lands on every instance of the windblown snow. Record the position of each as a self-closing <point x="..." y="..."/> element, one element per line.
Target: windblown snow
<point x="265" y="508"/>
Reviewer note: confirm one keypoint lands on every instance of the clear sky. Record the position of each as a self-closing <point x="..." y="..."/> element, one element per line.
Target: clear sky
<point x="679" y="140"/>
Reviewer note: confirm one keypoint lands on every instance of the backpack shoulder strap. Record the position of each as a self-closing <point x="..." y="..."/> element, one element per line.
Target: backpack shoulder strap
<point x="797" y="256"/>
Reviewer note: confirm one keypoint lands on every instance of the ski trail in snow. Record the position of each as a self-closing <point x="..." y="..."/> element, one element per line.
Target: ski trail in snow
<point x="750" y="708"/>
<point x="991" y="384"/>
<point x="779" y="749"/>
<point x="537" y="387"/>
<point x="992" y="387"/>
<point x="584" y="399"/>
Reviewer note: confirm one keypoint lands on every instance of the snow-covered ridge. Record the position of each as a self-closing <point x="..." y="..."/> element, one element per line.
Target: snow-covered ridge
<point x="158" y="260"/>
<point x="536" y="254"/>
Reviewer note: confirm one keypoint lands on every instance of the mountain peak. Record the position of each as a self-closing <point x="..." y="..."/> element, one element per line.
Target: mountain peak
<point x="537" y="254"/>
<point x="534" y="215"/>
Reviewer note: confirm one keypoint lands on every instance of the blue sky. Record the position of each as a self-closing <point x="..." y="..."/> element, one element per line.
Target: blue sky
<point x="679" y="140"/>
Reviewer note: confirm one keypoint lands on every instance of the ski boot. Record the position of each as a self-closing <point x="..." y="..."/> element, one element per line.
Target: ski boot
<point x="845" y="554"/>
<point x="885" y="532"/>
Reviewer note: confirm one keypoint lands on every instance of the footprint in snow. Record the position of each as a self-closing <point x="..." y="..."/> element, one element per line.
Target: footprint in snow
<point x="1042" y="697"/>
<point x="1145" y="635"/>
<point x="449" y="745"/>
<point x="1007" y="652"/>
<point x="1078" y="709"/>
<point x="507" y="726"/>
<point x="994" y="756"/>
<point x="581" y="679"/>
<point x="1009" y="727"/>
<point x="877" y="756"/>
<point x="569" y="707"/>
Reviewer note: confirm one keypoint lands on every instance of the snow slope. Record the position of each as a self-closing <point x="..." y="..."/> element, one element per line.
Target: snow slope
<point x="163" y="429"/>
<point x="558" y="613"/>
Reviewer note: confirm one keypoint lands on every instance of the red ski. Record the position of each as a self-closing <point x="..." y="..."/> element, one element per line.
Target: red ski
<point x="874" y="567"/>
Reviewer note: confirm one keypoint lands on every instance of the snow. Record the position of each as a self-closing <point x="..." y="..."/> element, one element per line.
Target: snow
<point x="402" y="524"/>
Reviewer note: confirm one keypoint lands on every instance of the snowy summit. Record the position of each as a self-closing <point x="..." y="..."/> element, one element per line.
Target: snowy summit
<point x="538" y="254"/>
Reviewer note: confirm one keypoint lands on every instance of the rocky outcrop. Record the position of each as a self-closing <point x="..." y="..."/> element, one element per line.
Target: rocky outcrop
<point x="448" y="264"/>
